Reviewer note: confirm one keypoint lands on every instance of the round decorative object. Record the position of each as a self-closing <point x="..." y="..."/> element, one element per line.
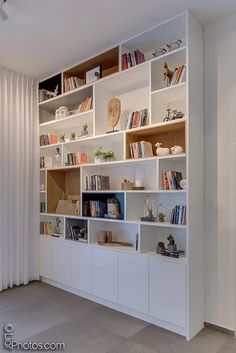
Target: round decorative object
<point x="177" y="149"/>
<point x="158" y="52"/>
<point x="113" y="112"/>
<point x="183" y="184"/>
<point x="62" y="112"/>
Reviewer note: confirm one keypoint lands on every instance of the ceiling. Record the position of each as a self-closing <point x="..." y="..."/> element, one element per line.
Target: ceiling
<point x="44" y="36"/>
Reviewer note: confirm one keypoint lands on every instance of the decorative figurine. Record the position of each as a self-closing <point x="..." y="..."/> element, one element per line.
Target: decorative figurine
<point x="171" y="246"/>
<point x="148" y="211"/>
<point x="58" y="157"/>
<point x="161" y="151"/>
<point x="177" y="149"/>
<point x="126" y="185"/>
<point x="173" y="115"/>
<point x="113" y="113"/>
<point x="183" y="184"/>
<point x="57" y="227"/>
<point x="168" y="74"/>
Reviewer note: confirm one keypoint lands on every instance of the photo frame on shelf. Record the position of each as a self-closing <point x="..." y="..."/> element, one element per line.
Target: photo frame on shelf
<point x="93" y="75"/>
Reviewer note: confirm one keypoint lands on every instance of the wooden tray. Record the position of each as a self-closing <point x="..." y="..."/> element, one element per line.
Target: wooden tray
<point x="115" y="243"/>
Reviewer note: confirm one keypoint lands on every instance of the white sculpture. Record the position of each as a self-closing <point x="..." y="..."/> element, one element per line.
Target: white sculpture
<point x="177" y="149"/>
<point x="161" y="151"/>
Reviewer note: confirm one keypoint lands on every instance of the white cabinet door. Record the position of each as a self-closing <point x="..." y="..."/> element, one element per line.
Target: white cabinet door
<point x="81" y="267"/>
<point x="133" y="282"/>
<point x="167" y="291"/>
<point x="61" y="261"/>
<point x="45" y="257"/>
<point x="105" y="268"/>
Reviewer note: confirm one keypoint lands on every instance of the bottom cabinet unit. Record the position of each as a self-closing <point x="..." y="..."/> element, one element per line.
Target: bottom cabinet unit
<point x="167" y="291"/>
<point x="105" y="268"/>
<point x="133" y="282"/>
<point x="46" y="257"/>
<point x="61" y="261"/>
<point x="81" y="267"/>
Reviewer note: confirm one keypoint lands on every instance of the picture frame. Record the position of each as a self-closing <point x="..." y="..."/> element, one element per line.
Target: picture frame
<point x="93" y="75"/>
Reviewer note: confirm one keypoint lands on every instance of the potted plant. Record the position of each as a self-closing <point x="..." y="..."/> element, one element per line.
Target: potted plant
<point x="73" y="136"/>
<point x="102" y="156"/>
<point x="62" y="138"/>
<point x="84" y="132"/>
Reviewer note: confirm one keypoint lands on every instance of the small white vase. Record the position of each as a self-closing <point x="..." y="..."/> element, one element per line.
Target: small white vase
<point x="161" y="151"/>
<point x="98" y="160"/>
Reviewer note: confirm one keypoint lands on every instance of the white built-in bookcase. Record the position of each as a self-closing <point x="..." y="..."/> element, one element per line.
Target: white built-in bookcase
<point x="165" y="291"/>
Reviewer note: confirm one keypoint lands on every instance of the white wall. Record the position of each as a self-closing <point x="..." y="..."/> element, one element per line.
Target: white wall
<point x="220" y="171"/>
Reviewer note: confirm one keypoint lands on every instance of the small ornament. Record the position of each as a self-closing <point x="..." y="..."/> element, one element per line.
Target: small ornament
<point x="161" y="213"/>
<point x="161" y="151"/>
<point x="58" y="157"/>
<point x="73" y="136"/>
<point x="171" y="246"/>
<point x="168" y="74"/>
<point x="160" y="247"/>
<point x="158" y="52"/>
<point x="174" y="44"/>
<point x="57" y="227"/>
<point x="177" y="150"/>
<point x="113" y="113"/>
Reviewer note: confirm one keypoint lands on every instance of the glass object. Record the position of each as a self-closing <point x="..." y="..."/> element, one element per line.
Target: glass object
<point x="174" y="44"/>
<point x="158" y="52"/>
<point x="161" y="213"/>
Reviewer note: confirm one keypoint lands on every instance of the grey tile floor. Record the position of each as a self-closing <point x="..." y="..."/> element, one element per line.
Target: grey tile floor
<point x="42" y="313"/>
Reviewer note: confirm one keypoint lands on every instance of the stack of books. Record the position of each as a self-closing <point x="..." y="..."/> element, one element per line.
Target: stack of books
<point x="141" y="149"/>
<point x="171" y="180"/>
<point x="75" y="158"/>
<point x="72" y="82"/>
<point x="178" y="75"/>
<point x="46" y="228"/>
<point x="137" y="119"/>
<point x="132" y="58"/>
<point x="48" y="139"/>
<point x="178" y="215"/>
<point x="85" y="105"/>
<point x="42" y="207"/>
<point x="97" y="182"/>
<point x="72" y="158"/>
<point x="94" y="208"/>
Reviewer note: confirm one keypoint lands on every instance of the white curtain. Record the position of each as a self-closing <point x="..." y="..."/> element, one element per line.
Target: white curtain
<point x="19" y="179"/>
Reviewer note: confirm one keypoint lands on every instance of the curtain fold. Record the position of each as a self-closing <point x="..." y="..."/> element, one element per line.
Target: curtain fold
<point x="19" y="179"/>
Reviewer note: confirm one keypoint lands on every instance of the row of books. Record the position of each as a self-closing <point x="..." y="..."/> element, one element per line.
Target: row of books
<point x="178" y="215"/>
<point x="73" y="233"/>
<point x="85" y="105"/>
<point x="76" y="158"/>
<point x="72" y="82"/>
<point x="141" y="149"/>
<point x="46" y="228"/>
<point x="97" y="182"/>
<point x="72" y="158"/>
<point x="178" y="75"/>
<point x="48" y="139"/>
<point x="94" y="208"/>
<point x="171" y="180"/>
<point x="42" y="207"/>
<point x="132" y="58"/>
<point x="137" y="119"/>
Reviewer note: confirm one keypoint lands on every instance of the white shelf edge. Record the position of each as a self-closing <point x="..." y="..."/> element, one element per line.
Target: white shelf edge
<point x="68" y="118"/>
<point x="169" y="88"/>
<point x="126" y="161"/>
<point x="65" y="94"/>
<point x="123" y="249"/>
<point x="134" y="191"/>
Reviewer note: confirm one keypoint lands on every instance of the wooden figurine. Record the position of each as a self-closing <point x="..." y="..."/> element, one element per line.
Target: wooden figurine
<point x="168" y="74"/>
<point x="126" y="185"/>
